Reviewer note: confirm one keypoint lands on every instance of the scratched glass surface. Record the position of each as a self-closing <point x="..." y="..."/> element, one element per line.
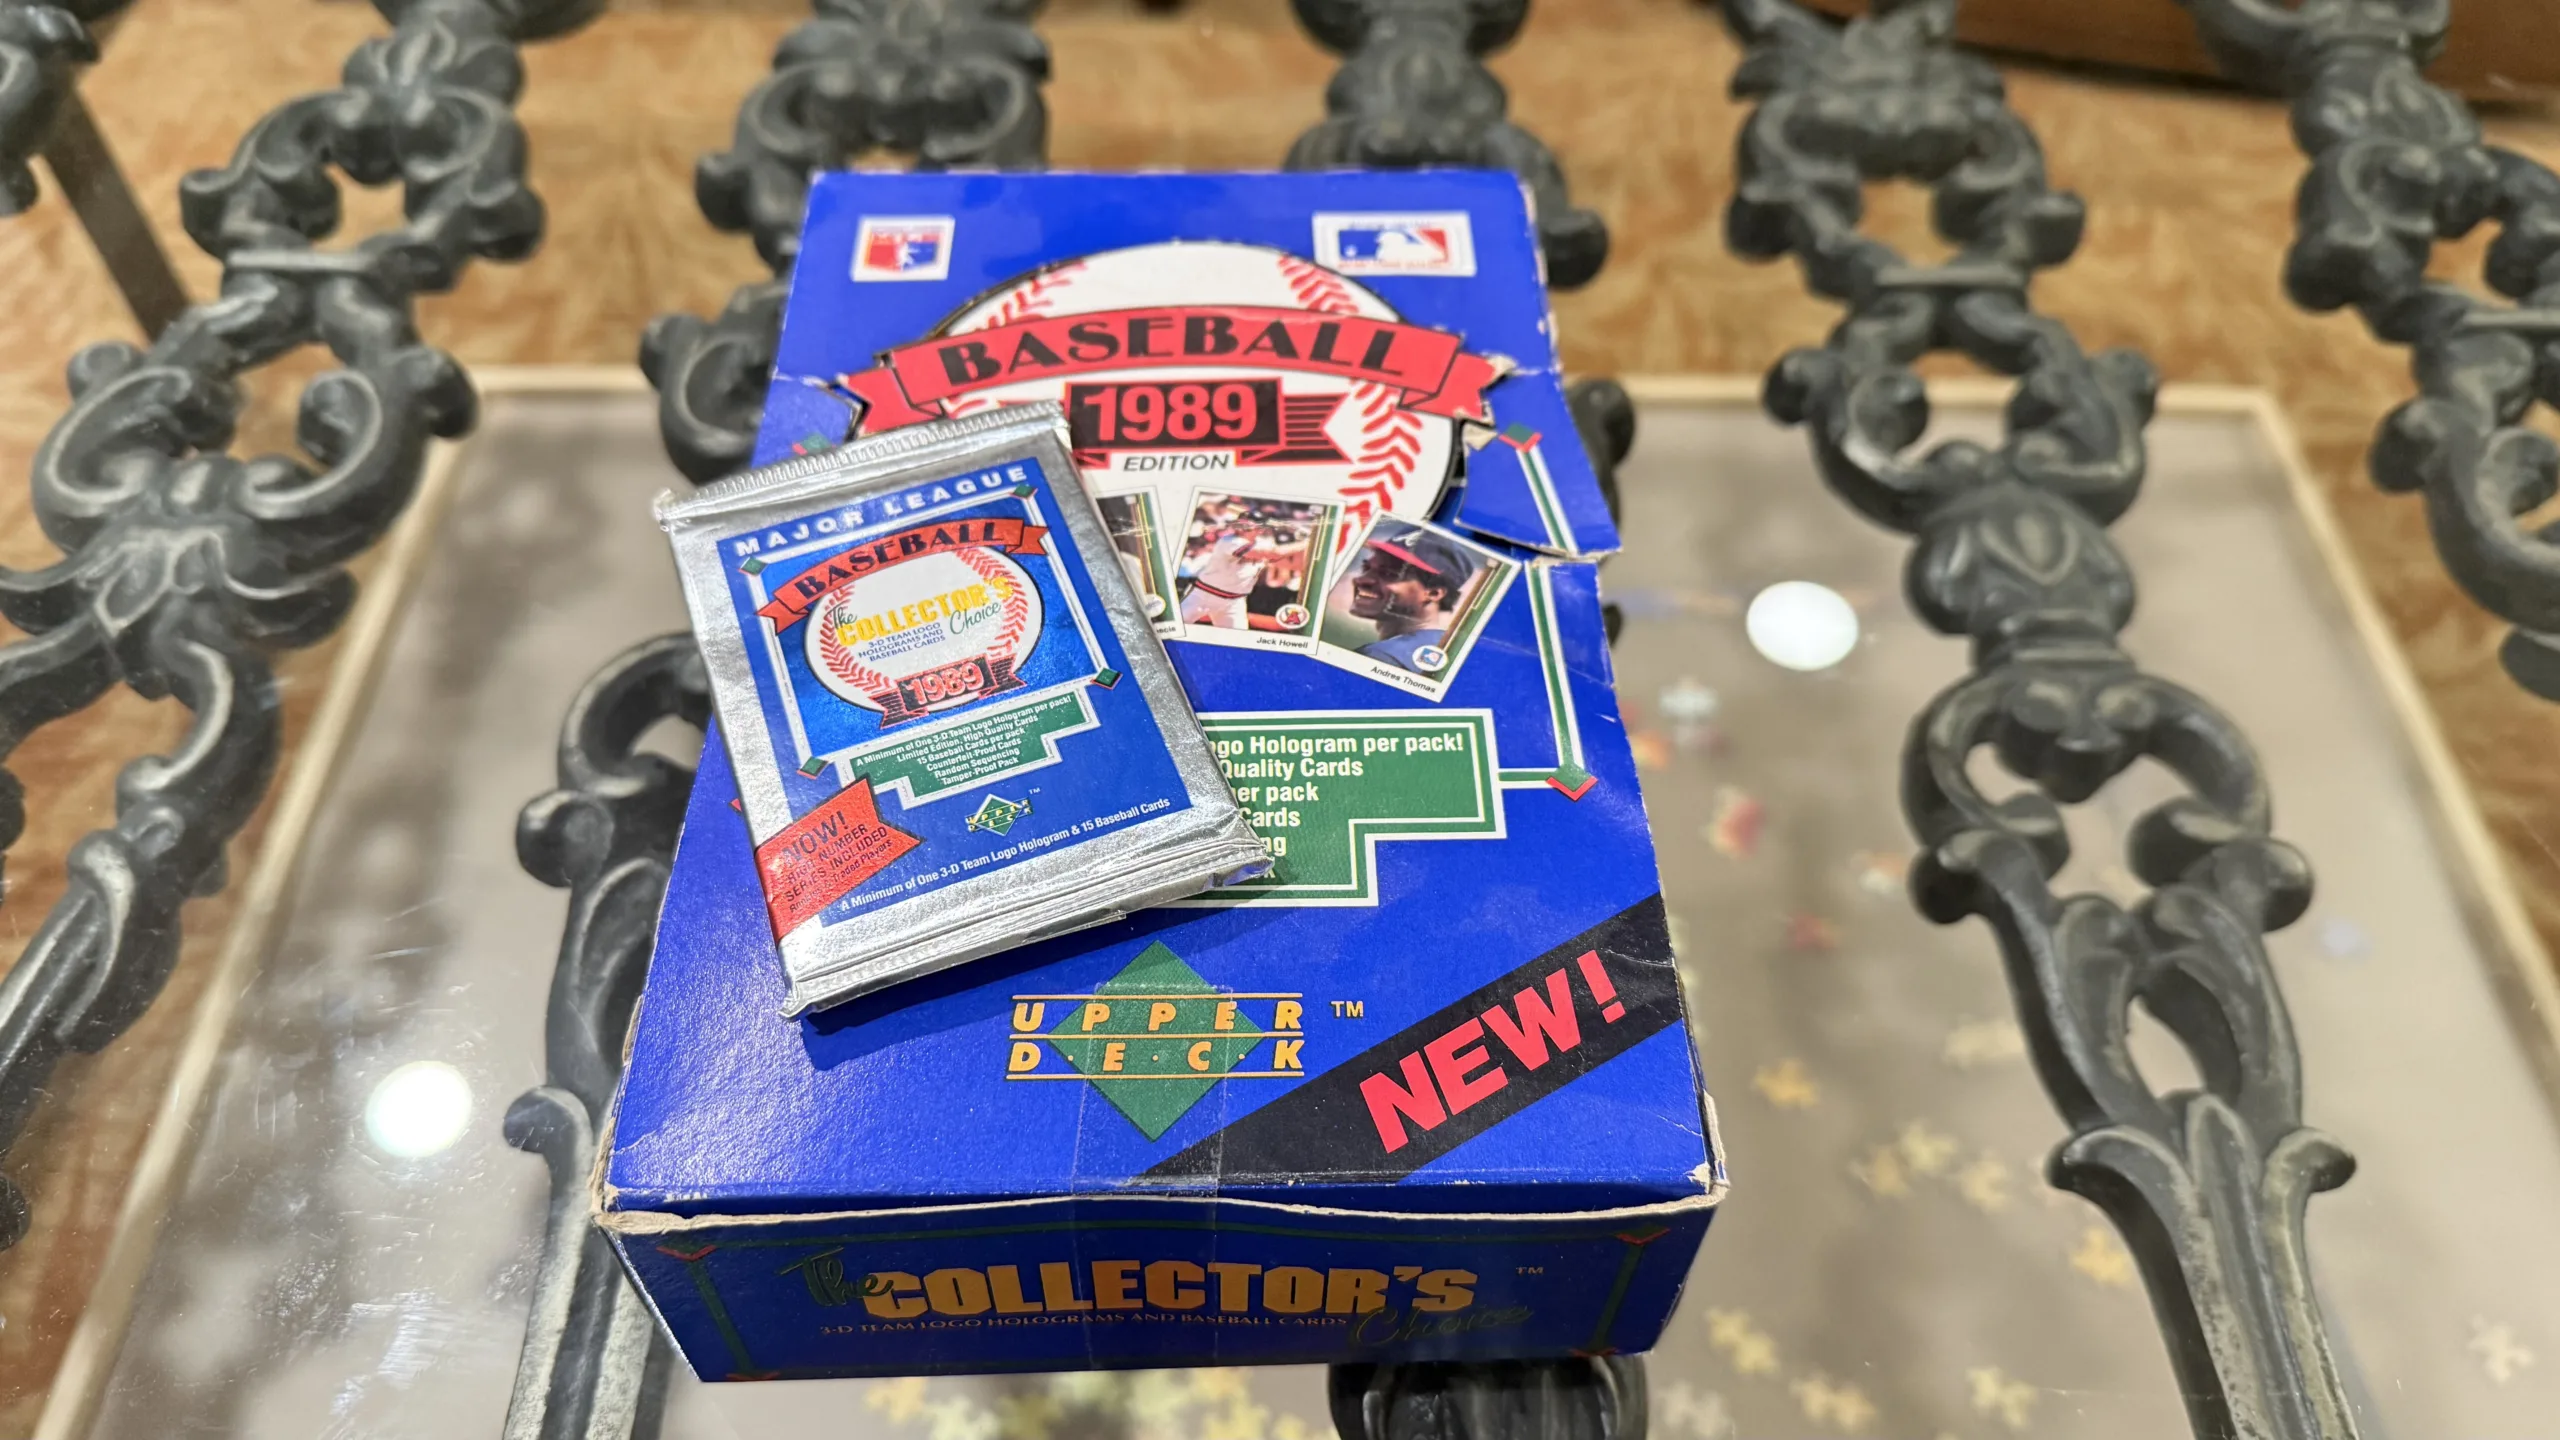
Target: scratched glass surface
<point x="352" y="1250"/>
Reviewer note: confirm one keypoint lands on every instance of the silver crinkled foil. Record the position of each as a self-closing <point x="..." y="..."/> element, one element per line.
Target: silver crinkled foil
<point x="953" y="726"/>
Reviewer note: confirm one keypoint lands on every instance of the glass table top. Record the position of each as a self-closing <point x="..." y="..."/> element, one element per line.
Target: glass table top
<point x="351" y="1246"/>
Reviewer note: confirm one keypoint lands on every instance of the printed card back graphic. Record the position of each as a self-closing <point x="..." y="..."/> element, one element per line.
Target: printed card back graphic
<point x="903" y="247"/>
<point x="1433" y="244"/>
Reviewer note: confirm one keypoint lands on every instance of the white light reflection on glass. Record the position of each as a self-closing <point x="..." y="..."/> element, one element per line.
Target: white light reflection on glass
<point x="1801" y="625"/>
<point x="418" y="1110"/>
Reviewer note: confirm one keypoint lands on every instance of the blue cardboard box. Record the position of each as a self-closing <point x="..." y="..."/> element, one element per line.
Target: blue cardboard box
<point x="1426" y="1091"/>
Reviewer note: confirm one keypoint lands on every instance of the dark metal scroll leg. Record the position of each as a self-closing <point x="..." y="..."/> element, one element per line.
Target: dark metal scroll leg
<point x="87" y="172"/>
<point x="1599" y="1397"/>
<point x="2209" y="1186"/>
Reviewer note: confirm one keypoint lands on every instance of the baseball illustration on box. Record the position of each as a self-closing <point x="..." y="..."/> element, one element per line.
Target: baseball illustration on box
<point x="908" y="620"/>
<point x="1191" y="369"/>
<point x="1422" y="1089"/>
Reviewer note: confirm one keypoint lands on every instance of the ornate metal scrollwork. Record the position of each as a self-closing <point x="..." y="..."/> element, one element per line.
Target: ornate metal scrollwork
<point x="1598" y="1398"/>
<point x="41" y="47"/>
<point x="41" y="113"/>
<point x="711" y="378"/>
<point x="185" y="568"/>
<point x="951" y="82"/>
<point x="1413" y="91"/>
<point x="1606" y="418"/>
<point x="594" y="1365"/>
<point x="2396" y="164"/>
<point x="2208" y="1186"/>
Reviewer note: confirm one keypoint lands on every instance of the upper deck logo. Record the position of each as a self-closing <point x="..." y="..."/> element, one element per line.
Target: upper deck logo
<point x="1439" y="244"/>
<point x="903" y="247"/>
<point x="1157" y="1038"/>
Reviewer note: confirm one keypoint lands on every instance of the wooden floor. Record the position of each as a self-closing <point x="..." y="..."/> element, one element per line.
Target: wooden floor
<point x="2190" y="191"/>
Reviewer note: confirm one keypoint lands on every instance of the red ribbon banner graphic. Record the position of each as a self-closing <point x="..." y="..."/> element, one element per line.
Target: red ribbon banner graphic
<point x="798" y="595"/>
<point x="1431" y="366"/>
<point x="826" y="853"/>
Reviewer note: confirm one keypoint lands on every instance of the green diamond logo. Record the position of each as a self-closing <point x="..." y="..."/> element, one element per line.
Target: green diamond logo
<point x="1150" y="1042"/>
<point x="997" y="814"/>
<point x="814" y="766"/>
<point x="751" y="566"/>
<point x="1106" y="677"/>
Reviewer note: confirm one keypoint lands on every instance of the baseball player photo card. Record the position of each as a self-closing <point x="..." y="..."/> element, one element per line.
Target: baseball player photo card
<point x="1137" y="535"/>
<point x="1253" y="569"/>
<point x="1409" y="602"/>
<point x="952" y="726"/>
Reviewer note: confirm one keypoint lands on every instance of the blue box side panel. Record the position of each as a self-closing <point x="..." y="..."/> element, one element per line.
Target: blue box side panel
<point x="1101" y="1286"/>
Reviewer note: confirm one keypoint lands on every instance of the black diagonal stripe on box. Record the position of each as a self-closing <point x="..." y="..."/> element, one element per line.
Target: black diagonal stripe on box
<point x="1424" y="1090"/>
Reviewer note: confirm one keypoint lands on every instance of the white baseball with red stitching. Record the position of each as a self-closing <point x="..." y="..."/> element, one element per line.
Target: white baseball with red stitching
<point x="1395" y="460"/>
<point x="1007" y="627"/>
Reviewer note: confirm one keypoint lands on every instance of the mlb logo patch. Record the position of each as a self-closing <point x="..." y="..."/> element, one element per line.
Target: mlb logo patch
<point x="903" y="247"/>
<point x="1432" y="244"/>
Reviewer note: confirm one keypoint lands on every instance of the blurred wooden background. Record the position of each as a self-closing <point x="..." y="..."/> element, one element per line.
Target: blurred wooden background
<point x="2190" y="190"/>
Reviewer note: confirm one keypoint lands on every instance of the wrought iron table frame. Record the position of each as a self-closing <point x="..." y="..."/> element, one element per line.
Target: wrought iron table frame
<point x="185" y="569"/>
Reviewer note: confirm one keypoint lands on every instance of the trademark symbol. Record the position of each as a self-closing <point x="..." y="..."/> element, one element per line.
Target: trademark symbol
<point x="1347" y="1009"/>
<point x="1533" y="1269"/>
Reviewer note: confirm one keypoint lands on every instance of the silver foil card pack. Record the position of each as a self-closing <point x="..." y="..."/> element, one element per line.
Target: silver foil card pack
<point x="954" y="728"/>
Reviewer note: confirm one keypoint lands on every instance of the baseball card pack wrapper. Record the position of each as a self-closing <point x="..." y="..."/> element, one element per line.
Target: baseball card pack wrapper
<point x="1425" y="1089"/>
<point x="898" y="632"/>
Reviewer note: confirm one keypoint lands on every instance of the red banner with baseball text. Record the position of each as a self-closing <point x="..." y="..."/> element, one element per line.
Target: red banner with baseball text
<point x="796" y="597"/>
<point x="1432" y="367"/>
<point x="826" y="853"/>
